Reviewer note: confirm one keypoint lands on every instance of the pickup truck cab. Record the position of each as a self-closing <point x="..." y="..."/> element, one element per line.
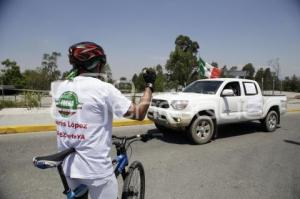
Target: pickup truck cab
<point x="204" y="104"/>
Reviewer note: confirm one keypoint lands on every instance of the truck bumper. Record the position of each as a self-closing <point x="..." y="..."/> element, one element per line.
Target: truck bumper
<point x="169" y="118"/>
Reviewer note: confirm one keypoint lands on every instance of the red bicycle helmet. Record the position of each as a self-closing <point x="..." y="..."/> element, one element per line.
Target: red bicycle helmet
<point x="86" y="55"/>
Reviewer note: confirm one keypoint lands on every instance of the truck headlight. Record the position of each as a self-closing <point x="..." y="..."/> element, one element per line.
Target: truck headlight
<point x="179" y="104"/>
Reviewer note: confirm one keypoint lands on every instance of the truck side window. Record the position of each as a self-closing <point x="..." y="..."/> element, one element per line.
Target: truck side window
<point x="250" y="88"/>
<point x="235" y="86"/>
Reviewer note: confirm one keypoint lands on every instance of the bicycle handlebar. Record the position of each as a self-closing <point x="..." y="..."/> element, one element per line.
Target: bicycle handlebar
<point x="144" y="137"/>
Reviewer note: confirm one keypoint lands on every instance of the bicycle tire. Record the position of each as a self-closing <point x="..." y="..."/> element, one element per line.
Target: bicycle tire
<point x="130" y="191"/>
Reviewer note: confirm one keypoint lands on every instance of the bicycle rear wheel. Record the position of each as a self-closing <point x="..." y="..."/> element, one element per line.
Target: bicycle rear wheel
<point x="134" y="184"/>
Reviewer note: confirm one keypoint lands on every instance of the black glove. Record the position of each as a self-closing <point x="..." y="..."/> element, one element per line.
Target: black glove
<point x="149" y="77"/>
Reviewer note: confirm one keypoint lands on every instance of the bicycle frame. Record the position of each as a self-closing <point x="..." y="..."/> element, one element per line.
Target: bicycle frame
<point x="78" y="192"/>
<point x="121" y="161"/>
<point x="81" y="192"/>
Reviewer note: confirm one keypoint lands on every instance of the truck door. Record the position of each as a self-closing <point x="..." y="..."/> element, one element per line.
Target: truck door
<point x="253" y="101"/>
<point x="231" y="106"/>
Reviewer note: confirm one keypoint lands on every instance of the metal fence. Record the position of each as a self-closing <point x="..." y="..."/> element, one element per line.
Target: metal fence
<point x="24" y="98"/>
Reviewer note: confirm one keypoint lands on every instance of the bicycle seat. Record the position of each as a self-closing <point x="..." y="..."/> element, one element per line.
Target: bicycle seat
<point x="50" y="161"/>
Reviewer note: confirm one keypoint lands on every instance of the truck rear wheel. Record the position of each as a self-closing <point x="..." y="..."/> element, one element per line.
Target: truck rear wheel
<point x="270" y="121"/>
<point x="201" y="130"/>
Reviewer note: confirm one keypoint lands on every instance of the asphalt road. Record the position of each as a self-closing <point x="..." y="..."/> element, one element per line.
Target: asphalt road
<point x="243" y="163"/>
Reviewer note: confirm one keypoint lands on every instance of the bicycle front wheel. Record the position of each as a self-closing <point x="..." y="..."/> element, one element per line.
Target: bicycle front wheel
<point x="134" y="184"/>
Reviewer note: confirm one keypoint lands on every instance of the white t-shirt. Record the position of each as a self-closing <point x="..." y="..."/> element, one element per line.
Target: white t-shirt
<point x="83" y="111"/>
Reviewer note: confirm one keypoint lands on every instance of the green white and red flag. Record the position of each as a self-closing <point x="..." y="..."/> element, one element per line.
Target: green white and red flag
<point x="207" y="70"/>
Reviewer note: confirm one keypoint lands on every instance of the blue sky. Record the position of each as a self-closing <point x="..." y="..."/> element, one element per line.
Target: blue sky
<point x="139" y="33"/>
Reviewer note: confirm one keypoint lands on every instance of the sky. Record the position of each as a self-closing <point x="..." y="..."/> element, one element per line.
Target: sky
<point x="140" y="33"/>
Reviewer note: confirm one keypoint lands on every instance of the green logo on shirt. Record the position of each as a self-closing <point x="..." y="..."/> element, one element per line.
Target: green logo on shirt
<point x="68" y="104"/>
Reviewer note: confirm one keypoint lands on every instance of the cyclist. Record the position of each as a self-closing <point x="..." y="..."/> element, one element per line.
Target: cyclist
<point x="84" y="109"/>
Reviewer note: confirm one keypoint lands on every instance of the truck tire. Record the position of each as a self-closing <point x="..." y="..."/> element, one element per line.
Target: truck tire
<point x="162" y="129"/>
<point x="201" y="130"/>
<point x="270" y="121"/>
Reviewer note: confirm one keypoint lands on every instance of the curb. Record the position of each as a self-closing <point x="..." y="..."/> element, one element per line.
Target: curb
<point x="293" y="110"/>
<point x="52" y="127"/>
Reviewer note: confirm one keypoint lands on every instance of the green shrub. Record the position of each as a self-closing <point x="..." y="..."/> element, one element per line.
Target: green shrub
<point x="30" y="100"/>
<point x="11" y="104"/>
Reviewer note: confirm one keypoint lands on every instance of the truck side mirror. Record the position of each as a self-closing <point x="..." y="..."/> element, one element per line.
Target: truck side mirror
<point x="227" y="92"/>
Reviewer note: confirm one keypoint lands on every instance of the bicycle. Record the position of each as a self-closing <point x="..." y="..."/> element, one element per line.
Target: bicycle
<point x="122" y="143"/>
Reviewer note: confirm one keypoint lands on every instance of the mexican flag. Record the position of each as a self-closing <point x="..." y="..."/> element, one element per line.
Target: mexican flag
<point x="207" y="70"/>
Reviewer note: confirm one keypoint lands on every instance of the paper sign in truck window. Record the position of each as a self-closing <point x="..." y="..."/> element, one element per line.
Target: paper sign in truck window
<point x="250" y="88"/>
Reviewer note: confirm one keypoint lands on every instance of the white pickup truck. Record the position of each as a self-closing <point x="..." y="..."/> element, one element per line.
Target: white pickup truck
<point x="204" y="104"/>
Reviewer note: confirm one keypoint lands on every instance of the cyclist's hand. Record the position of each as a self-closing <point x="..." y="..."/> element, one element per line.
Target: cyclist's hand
<point x="149" y="76"/>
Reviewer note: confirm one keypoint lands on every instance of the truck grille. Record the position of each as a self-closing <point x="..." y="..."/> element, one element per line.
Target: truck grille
<point x="160" y="103"/>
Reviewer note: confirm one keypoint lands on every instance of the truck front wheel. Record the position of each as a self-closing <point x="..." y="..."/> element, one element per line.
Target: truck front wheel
<point x="201" y="130"/>
<point x="270" y="121"/>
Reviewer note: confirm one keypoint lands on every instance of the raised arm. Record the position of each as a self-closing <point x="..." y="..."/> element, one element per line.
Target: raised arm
<point x="138" y="111"/>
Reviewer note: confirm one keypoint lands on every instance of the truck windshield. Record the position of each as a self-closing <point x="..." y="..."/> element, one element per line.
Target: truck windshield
<point x="204" y="87"/>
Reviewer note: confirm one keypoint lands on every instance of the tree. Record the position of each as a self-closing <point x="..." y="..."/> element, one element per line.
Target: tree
<point x="259" y="77"/>
<point x="49" y="70"/>
<point x="233" y="68"/>
<point x="107" y="71"/>
<point x="182" y="62"/>
<point x="41" y="77"/>
<point x="159" y="84"/>
<point x="49" y="66"/>
<point x="250" y="70"/>
<point x="11" y="74"/>
<point x="291" y="84"/>
<point x="268" y="79"/>
<point x="287" y="84"/>
<point x="229" y="73"/>
<point x="214" y="64"/>
<point x="138" y="82"/>
<point x="123" y="85"/>
<point x="294" y="84"/>
<point x="274" y="63"/>
<point x="186" y="44"/>
<point x="33" y="79"/>
<point x="123" y="79"/>
<point x="224" y="71"/>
